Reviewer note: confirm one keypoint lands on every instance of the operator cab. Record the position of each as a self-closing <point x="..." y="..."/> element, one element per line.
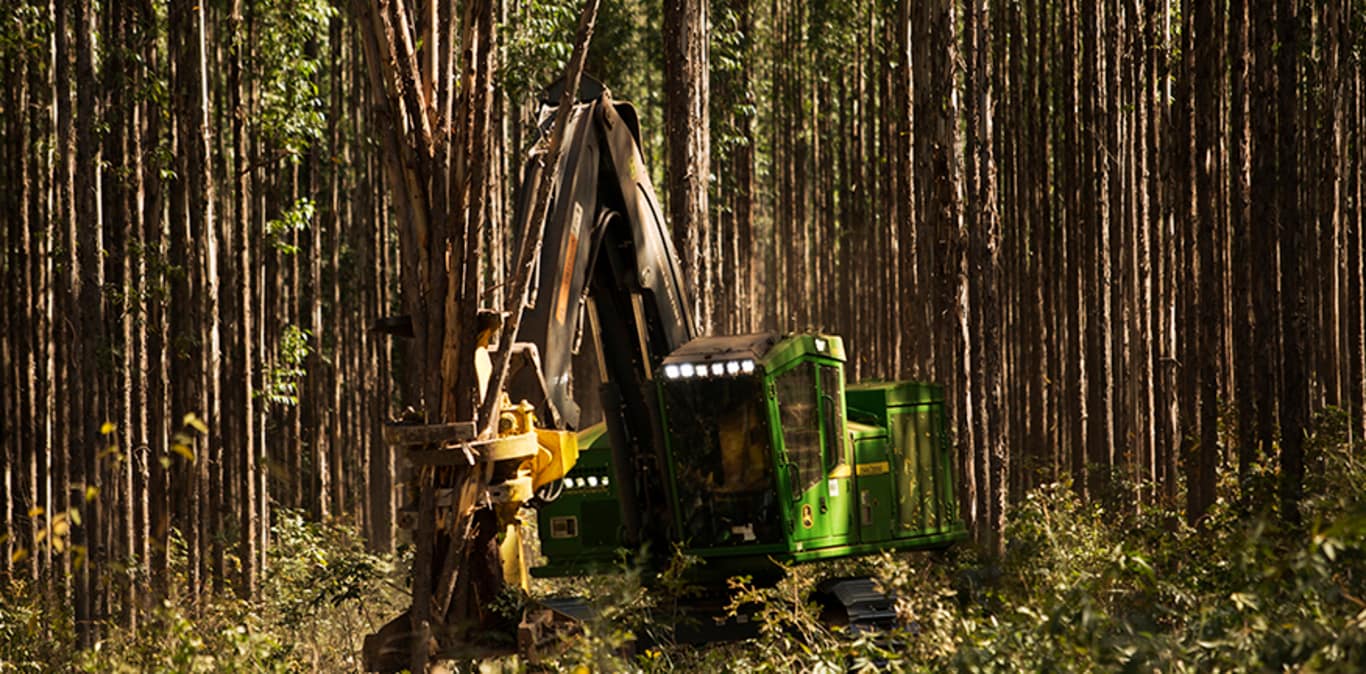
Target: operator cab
<point x="754" y="429"/>
<point x="719" y="439"/>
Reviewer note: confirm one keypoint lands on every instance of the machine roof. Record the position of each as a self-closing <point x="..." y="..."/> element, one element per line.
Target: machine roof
<point x="727" y="347"/>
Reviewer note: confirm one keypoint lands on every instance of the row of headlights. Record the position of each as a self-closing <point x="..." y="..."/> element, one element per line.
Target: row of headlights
<point x="716" y="369"/>
<point x="589" y="482"/>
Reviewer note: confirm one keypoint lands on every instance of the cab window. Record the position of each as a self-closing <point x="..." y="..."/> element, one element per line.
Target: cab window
<point x="832" y="409"/>
<point x="798" y="413"/>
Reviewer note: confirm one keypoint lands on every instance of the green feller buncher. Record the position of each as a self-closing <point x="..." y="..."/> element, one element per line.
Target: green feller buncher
<point x="742" y="450"/>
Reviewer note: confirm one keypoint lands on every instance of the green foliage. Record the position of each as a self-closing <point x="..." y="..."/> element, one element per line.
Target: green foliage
<point x="729" y="52"/>
<point x="24" y="29"/>
<point x="626" y="54"/>
<point x="32" y="633"/>
<point x="323" y="593"/>
<point x="315" y="568"/>
<point x="539" y="38"/>
<point x="1089" y="587"/>
<point x="289" y="40"/>
<point x="538" y="41"/>
<point x="1084" y="587"/>
<point x="280" y="231"/>
<point x="282" y="379"/>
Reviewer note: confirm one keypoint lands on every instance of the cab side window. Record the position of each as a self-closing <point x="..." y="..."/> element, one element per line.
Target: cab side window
<point x="798" y="412"/>
<point x="832" y="408"/>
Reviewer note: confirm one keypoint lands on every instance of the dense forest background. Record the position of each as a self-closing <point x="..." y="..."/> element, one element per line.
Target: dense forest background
<point x="1126" y="235"/>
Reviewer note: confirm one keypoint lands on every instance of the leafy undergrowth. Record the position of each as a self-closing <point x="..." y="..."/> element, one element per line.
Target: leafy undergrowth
<point x="1116" y="586"/>
<point x="1084" y="587"/>
<point x="322" y="595"/>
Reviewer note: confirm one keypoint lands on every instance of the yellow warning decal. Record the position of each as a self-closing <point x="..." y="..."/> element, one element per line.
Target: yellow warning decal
<point x="875" y="468"/>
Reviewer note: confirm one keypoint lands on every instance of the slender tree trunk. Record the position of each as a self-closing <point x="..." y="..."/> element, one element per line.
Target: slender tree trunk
<point x="686" y="126"/>
<point x="240" y="249"/>
<point x="1244" y="343"/>
<point x="88" y="280"/>
<point x="1200" y="488"/>
<point x="1265" y="292"/>
<point x="1294" y="388"/>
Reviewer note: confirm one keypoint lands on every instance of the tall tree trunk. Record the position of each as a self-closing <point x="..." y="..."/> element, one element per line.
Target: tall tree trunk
<point x="1244" y="343"/>
<point x="91" y="338"/>
<point x="1263" y="204"/>
<point x="1200" y="488"/>
<point x="686" y="128"/>
<point x="243" y="390"/>
<point x="1294" y="387"/>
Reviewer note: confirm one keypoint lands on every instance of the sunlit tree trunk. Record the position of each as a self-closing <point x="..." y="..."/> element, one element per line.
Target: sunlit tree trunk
<point x="686" y="127"/>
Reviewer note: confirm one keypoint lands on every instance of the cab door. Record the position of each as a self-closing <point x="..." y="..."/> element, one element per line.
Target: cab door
<point x="816" y="462"/>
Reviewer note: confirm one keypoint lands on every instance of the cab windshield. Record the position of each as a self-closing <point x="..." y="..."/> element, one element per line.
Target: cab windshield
<point x="723" y="460"/>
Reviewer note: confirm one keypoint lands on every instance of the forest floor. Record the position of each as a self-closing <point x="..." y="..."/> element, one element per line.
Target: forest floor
<point x="1105" y="586"/>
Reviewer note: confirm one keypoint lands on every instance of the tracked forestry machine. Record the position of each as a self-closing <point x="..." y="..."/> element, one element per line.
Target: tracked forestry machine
<point x="741" y="450"/>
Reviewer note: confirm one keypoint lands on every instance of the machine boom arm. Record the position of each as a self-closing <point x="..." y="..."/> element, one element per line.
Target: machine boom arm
<point x="607" y="261"/>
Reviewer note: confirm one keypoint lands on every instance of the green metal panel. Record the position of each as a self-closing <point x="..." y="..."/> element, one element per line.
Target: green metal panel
<point x="924" y="541"/>
<point x="920" y="454"/>
<point x="906" y="450"/>
<point x="581" y="529"/>
<point x="924" y="464"/>
<point x="875" y="397"/>
<point x="841" y="500"/>
<point x="873" y="485"/>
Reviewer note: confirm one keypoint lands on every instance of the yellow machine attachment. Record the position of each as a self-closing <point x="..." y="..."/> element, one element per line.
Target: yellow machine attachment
<point x="525" y="459"/>
<point x="509" y="468"/>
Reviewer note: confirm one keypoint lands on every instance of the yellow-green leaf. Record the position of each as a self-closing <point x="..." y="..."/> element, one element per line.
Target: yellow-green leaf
<point x="91" y="492"/>
<point x="107" y="428"/>
<point x="196" y="423"/>
<point x="35" y="511"/>
<point x="183" y="450"/>
<point x="19" y="555"/>
<point x="75" y="519"/>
